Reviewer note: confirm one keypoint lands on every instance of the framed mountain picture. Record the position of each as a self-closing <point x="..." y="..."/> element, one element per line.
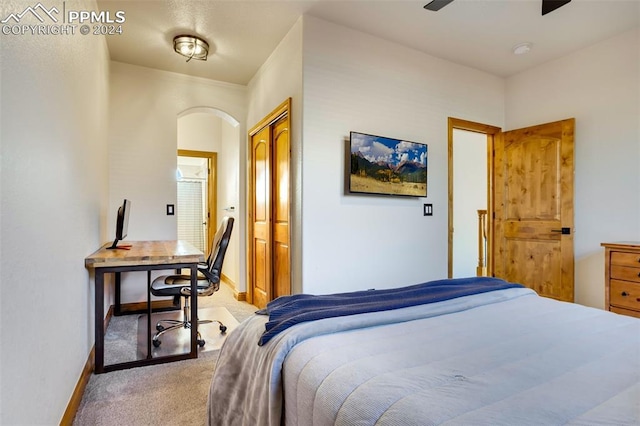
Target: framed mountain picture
<point x="386" y="166"/>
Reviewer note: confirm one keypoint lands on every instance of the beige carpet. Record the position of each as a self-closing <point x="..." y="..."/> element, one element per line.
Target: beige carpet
<point x="167" y="394"/>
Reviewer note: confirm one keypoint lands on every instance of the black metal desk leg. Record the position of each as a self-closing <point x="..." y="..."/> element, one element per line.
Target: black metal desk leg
<point x="99" y="321"/>
<point x="194" y="310"/>
<point x="149" y="355"/>
<point x="117" y="310"/>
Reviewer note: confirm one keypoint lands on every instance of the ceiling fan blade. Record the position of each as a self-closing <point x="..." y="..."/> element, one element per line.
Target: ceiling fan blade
<point x="551" y="5"/>
<point x="436" y="5"/>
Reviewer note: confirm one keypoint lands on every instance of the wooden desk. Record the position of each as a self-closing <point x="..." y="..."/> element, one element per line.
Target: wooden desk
<point x="143" y="256"/>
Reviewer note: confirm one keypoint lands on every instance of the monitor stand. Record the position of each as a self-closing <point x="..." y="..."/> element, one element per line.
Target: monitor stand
<point x="115" y="246"/>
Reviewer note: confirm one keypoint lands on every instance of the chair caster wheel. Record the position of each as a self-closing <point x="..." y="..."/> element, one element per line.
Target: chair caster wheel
<point x="159" y="327"/>
<point x="156" y="343"/>
<point x="223" y="328"/>
<point x="201" y="343"/>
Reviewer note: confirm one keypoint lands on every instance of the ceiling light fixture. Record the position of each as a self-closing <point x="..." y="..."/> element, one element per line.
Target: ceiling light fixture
<point x="522" y="48"/>
<point x="191" y="47"/>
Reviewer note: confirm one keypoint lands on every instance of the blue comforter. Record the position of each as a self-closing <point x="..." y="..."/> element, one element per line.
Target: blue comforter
<point x="287" y="311"/>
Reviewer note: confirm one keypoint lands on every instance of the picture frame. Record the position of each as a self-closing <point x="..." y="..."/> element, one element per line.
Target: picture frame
<point x="381" y="165"/>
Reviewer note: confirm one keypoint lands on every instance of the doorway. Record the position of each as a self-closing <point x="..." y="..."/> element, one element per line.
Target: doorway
<point x="196" y="195"/>
<point x="470" y="150"/>
<point x="470" y="190"/>
<point x="529" y="219"/>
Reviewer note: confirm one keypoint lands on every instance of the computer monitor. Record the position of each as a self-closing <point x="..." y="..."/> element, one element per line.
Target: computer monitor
<point x="122" y="225"/>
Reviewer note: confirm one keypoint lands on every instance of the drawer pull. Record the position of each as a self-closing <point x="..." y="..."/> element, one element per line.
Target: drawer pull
<point x="624" y="294"/>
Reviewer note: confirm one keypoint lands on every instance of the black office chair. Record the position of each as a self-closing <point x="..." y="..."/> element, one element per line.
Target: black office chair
<point x="208" y="283"/>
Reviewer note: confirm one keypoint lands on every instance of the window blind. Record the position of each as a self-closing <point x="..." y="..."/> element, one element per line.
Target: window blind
<point x="190" y="213"/>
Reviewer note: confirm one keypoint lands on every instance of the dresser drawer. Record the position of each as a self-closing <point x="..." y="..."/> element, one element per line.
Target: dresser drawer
<point x="622" y="277"/>
<point x="625" y="273"/>
<point x="627" y="312"/>
<point x="625" y="259"/>
<point x="625" y="295"/>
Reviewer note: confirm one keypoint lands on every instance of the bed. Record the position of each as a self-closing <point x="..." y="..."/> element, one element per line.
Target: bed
<point x="498" y="356"/>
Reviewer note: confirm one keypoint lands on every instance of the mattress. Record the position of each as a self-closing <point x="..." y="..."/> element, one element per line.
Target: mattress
<point x="503" y="357"/>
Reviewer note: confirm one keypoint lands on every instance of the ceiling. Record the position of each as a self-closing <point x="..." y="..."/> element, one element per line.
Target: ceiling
<point x="475" y="33"/>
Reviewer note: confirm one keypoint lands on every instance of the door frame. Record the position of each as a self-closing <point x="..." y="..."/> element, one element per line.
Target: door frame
<point x="212" y="189"/>
<point x="491" y="132"/>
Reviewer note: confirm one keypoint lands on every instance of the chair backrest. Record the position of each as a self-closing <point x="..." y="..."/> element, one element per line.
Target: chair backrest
<point x="219" y="248"/>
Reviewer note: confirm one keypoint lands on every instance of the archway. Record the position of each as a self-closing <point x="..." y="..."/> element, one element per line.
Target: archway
<point x="210" y="138"/>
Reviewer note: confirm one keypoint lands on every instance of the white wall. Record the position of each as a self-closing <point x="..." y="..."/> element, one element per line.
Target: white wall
<point x="353" y="81"/>
<point x="279" y="78"/>
<point x="145" y="105"/>
<point x="229" y="196"/>
<point x="53" y="206"/>
<point x="199" y="131"/>
<point x="600" y="87"/>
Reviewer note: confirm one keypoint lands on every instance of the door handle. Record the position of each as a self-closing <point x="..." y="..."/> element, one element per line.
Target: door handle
<point x="563" y="231"/>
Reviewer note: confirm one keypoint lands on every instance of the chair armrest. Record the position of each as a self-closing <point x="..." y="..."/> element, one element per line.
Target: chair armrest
<point x="214" y="278"/>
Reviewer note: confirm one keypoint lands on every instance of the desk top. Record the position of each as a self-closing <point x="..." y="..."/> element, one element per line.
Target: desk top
<point x="622" y="245"/>
<point x="145" y="253"/>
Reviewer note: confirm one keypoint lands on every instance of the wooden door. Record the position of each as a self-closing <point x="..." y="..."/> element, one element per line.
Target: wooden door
<point x="533" y="207"/>
<point x="261" y="217"/>
<point x="270" y="248"/>
<point x="281" y="236"/>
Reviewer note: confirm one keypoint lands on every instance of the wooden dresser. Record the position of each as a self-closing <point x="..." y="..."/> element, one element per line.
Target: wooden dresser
<point x="622" y="277"/>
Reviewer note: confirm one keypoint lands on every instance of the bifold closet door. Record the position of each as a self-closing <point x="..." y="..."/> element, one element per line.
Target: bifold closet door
<point x="270" y="207"/>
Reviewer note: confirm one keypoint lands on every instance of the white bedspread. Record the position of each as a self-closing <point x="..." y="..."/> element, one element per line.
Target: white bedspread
<point x="506" y="357"/>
